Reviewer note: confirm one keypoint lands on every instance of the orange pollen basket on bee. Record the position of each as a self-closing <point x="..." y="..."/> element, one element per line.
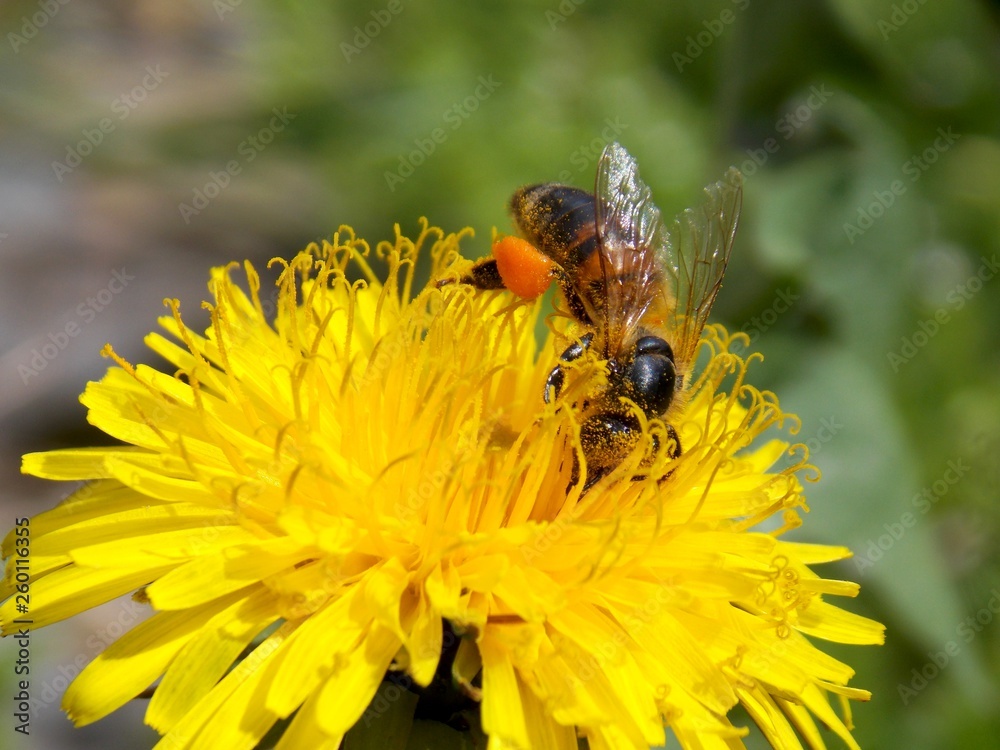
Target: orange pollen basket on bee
<point x="524" y="269"/>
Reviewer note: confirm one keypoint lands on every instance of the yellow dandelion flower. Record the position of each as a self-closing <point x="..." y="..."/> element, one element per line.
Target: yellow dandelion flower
<point x="369" y="491"/>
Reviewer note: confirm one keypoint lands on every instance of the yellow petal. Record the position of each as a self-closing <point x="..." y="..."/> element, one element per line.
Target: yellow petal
<point x="133" y="662"/>
<point x="344" y="697"/>
<point x="305" y="731"/>
<point x="203" y="660"/>
<point x="834" y="624"/>
<point x="72" y="590"/>
<point x="191" y="731"/>
<point x="424" y="644"/>
<point x="502" y="713"/>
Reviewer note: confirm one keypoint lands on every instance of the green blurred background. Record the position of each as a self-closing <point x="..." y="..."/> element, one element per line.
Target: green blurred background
<point x="864" y="269"/>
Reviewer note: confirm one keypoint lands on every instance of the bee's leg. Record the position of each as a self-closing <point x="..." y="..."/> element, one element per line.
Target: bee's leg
<point x="574" y="302"/>
<point x="554" y="382"/>
<point x="673" y="449"/>
<point x="594" y="475"/>
<point x="484" y="275"/>
<point x="673" y="443"/>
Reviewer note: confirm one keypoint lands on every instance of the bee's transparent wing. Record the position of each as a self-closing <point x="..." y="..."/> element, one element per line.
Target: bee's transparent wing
<point x="629" y="230"/>
<point x="695" y="259"/>
<point x="667" y="277"/>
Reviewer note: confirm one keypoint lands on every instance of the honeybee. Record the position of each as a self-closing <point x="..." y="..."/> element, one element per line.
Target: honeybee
<point x="641" y="291"/>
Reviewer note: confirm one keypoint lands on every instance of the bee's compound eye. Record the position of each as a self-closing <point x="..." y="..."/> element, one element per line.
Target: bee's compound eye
<point x="652" y="375"/>
<point x="525" y="270"/>
<point x="653" y="345"/>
